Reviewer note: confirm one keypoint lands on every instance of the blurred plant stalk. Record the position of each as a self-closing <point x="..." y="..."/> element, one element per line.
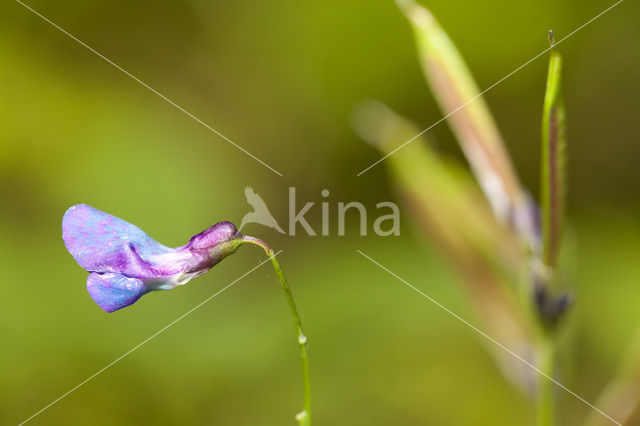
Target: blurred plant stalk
<point x="446" y="204"/>
<point x="471" y="121"/>
<point x="496" y="243"/>
<point x="553" y="164"/>
<point x="621" y="397"/>
<point x="552" y="193"/>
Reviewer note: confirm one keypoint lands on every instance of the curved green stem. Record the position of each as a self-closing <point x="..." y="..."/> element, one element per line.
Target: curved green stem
<point x="304" y="417"/>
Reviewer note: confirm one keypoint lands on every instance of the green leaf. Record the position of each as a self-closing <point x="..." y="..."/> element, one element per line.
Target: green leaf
<point x="447" y="204"/>
<point x="553" y="162"/>
<point x="438" y="192"/>
<point x="470" y="119"/>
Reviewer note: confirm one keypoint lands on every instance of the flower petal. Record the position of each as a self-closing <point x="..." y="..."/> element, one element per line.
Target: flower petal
<point x="114" y="291"/>
<point x="100" y="242"/>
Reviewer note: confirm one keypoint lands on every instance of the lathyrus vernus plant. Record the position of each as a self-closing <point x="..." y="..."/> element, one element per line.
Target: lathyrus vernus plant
<point x="124" y="264"/>
<point x="504" y="245"/>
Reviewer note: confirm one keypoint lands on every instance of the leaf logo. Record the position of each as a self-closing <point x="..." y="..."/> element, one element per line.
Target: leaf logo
<point x="260" y="213"/>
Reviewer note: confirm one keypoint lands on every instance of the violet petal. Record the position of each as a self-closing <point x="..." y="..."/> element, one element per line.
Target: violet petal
<point x="113" y="291"/>
<point x="100" y="242"/>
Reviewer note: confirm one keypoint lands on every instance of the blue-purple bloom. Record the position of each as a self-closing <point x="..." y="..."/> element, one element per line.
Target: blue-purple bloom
<point x="125" y="263"/>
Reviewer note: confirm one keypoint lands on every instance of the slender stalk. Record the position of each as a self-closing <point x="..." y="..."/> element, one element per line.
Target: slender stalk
<point x="304" y="417"/>
<point x="552" y="192"/>
<point x="554" y="158"/>
<point x="545" y="407"/>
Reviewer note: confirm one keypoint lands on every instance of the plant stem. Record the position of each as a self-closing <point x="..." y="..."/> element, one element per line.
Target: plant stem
<point x="545" y="401"/>
<point x="304" y="417"/>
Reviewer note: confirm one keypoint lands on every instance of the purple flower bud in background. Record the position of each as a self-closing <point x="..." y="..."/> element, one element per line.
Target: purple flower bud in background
<point x="125" y="263"/>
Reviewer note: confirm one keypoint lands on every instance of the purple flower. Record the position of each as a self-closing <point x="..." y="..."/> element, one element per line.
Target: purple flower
<point x="125" y="263"/>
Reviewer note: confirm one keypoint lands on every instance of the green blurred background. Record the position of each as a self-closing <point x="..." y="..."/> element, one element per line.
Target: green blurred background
<point x="281" y="79"/>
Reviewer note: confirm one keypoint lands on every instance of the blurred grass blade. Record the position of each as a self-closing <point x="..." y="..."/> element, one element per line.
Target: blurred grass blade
<point x="553" y="161"/>
<point x="450" y="199"/>
<point x="446" y="203"/>
<point x="621" y="397"/>
<point x="471" y="121"/>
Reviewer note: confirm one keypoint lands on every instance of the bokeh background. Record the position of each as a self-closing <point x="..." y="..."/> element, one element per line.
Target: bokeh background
<point x="281" y="79"/>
